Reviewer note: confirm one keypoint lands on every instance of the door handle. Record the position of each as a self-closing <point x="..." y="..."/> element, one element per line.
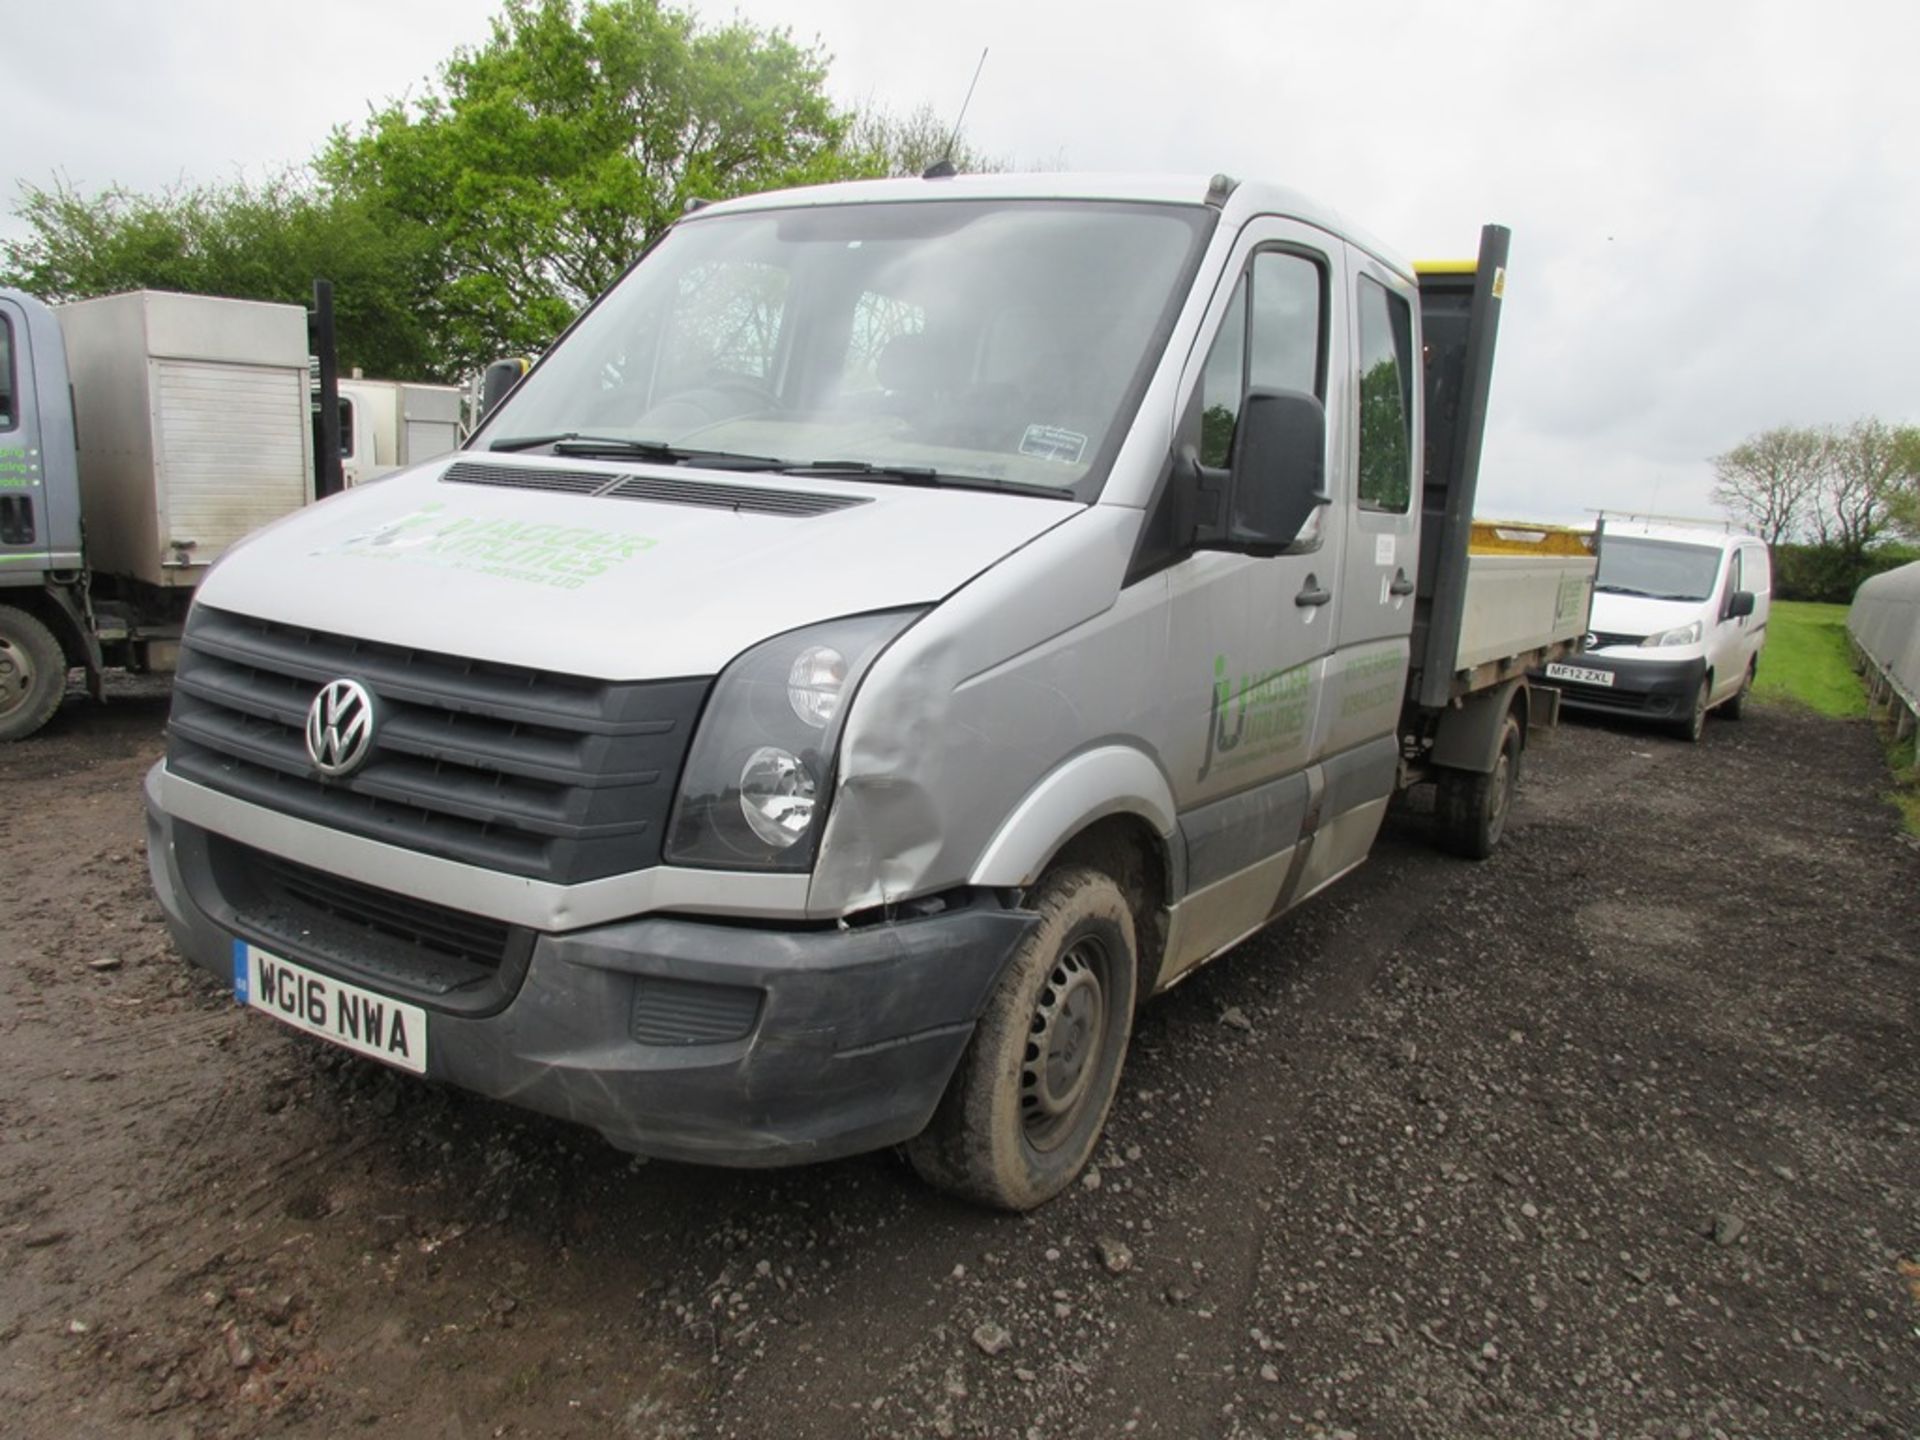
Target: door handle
<point x="1401" y="585"/>
<point x="1312" y="594"/>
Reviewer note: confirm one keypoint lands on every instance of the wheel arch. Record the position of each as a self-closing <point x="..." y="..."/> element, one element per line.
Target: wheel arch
<point x="1111" y="808"/>
<point x="1469" y="738"/>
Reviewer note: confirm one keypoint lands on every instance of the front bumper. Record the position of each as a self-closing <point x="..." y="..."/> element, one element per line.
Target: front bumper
<point x="1649" y="689"/>
<point x="844" y="1043"/>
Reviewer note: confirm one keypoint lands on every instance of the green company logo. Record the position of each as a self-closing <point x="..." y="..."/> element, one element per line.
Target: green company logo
<point x="19" y="469"/>
<point x="1253" y="716"/>
<point x="563" y="557"/>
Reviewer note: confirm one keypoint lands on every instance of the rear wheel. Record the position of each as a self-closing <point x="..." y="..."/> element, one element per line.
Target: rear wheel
<point x="1023" y="1112"/>
<point x="1735" y="707"/>
<point x="33" y="674"/>
<point x="1473" y="807"/>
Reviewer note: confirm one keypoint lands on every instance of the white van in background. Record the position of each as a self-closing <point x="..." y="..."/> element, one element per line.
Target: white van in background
<point x="1679" y="618"/>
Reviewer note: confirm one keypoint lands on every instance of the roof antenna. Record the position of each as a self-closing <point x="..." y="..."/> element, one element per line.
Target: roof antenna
<point x="943" y="168"/>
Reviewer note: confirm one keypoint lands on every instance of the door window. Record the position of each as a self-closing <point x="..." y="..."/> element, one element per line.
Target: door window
<point x="1273" y="336"/>
<point x="1386" y="399"/>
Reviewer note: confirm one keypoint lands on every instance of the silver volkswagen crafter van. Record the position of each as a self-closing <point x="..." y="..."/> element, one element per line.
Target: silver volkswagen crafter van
<point x="897" y="629"/>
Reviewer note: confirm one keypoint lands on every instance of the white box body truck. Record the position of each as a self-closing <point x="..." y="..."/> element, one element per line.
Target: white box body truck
<point x="896" y="631"/>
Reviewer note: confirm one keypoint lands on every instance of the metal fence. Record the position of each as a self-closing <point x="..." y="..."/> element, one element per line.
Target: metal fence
<point x="1885" y="625"/>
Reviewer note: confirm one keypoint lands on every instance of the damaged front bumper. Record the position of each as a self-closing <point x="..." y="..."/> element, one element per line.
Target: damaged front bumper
<point x="687" y="1039"/>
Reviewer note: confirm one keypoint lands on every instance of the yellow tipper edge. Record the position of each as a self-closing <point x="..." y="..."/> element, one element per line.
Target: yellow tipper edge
<point x="1522" y="537"/>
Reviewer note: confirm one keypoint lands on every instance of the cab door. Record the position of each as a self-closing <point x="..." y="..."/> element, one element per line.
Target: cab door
<point x="1249" y="638"/>
<point x="1357" y="743"/>
<point x="23" y="491"/>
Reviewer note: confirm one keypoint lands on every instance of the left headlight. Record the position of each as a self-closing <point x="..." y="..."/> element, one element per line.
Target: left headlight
<point x="759" y="776"/>
<point x="1684" y="635"/>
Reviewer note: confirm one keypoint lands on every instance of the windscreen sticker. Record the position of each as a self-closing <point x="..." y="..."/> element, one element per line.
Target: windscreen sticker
<point x="1050" y="442"/>
<point x="564" y="557"/>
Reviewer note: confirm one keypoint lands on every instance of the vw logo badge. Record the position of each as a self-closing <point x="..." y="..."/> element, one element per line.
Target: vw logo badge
<point x="340" y="727"/>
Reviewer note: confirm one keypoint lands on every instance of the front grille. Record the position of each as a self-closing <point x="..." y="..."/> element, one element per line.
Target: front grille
<point x="392" y="941"/>
<point x="555" y="777"/>
<point x="1601" y="639"/>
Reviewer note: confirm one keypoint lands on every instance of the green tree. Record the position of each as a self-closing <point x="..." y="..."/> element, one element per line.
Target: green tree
<point x="551" y="156"/>
<point x="881" y="143"/>
<point x="250" y="242"/>
<point x="1771" y="480"/>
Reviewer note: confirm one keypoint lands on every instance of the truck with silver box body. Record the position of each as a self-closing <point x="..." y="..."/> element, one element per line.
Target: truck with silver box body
<point x="897" y="630"/>
<point x="144" y="433"/>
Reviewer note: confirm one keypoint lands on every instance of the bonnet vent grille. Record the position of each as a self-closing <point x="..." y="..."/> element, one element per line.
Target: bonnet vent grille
<point x="661" y="490"/>
<point x="527" y="477"/>
<point x="664" y="490"/>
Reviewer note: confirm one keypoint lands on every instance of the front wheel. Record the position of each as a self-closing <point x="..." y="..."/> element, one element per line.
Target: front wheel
<point x="1023" y="1112"/>
<point x="1473" y="807"/>
<point x="33" y="674"/>
<point x="1694" y="724"/>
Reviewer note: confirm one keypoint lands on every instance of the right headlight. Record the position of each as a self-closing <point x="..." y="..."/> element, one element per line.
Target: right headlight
<point x="1684" y="635"/>
<point x="754" y="793"/>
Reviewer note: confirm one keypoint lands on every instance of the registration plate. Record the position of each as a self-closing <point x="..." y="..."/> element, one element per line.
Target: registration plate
<point x="360" y="1020"/>
<point x="1579" y="674"/>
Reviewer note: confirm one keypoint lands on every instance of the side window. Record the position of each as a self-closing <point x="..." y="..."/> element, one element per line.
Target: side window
<point x="1386" y="399"/>
<point x="1223" y="382"/>
<point x="1273" y="336"/>
<point x="6" y="373"/>
<point x="346" y="428"/>
<point x="1734" y="572"/>
<point x="1285" y="353"/>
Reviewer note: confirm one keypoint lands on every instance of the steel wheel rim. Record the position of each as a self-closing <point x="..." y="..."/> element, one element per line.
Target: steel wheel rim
<point x="1066" y="1040"/>
<point x="16" y="676"/>
<point x="1502" y="792"/>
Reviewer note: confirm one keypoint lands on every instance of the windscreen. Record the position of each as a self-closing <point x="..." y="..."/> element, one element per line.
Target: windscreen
<point x="1002" y="340"/>
<point x="1660" y="569"/>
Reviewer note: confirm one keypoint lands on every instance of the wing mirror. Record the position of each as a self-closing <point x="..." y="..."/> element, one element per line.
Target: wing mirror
<point x="497" y="379"/>
<point x="1275" y="481"/>
<point x="1739" y="604"/>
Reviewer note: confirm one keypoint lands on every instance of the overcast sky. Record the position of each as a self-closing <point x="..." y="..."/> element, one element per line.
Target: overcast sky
<point x="1715" y="207"/>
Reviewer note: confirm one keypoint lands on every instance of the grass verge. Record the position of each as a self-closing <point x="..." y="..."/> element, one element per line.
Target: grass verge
<point x="1809" y="661"/>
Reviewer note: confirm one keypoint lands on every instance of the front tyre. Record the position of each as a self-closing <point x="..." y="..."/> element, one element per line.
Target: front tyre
<point x="1024" y="1110"/>
<point x="1694" y="724"/>
<point x="33" y="674"/>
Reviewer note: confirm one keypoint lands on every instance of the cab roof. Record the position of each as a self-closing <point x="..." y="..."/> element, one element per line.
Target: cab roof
<point x="1241" y="201"/>
<point x="1714" y="534"/>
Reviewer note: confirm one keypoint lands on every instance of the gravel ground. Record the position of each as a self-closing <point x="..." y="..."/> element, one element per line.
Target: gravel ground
<point x="1612" y="1135"/>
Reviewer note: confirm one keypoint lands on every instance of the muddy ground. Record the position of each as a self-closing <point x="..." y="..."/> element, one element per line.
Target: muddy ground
<point x="1612" y="1135"/>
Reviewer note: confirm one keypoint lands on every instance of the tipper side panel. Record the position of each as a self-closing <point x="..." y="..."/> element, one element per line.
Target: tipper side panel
<point x="1459" y="321"/>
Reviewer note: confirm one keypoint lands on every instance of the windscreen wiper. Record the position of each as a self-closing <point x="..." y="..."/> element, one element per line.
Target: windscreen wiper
<point x="922" y="475"/>
<point x="572" y="442"/>
<point x="1622" y="590"/>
